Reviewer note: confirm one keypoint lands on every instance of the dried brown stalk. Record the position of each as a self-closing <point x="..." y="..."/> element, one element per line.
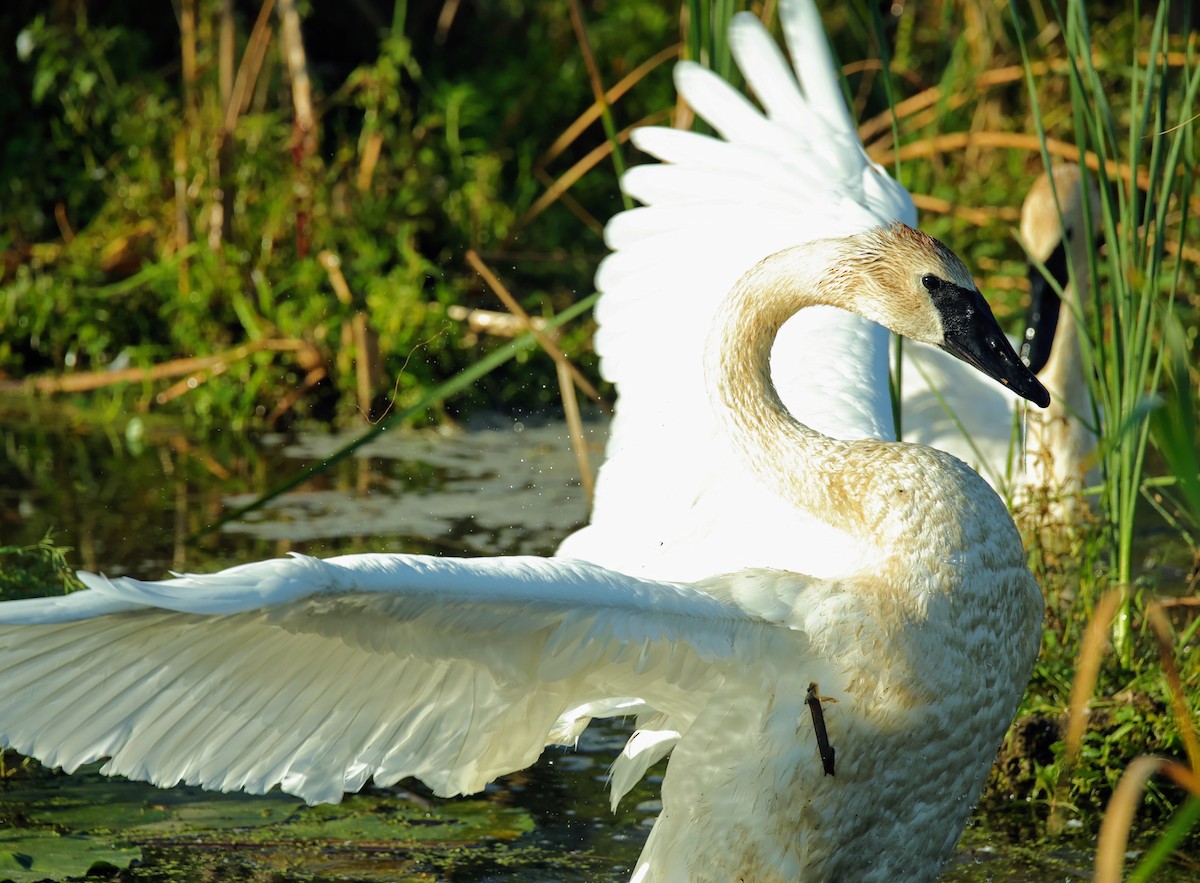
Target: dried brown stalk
<point x="174" y="368"/>
<point x="575" y="429"/>
<point x="1087" y="671"/>
<point x="595" y="109"/>
<point x="565" y="181"/>
<point x="550" y="347"/>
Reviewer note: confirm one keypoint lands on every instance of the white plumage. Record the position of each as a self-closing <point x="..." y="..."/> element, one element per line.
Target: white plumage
<point x="673" y="498"/>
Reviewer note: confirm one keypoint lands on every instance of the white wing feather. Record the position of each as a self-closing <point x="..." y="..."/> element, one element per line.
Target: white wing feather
<point x="316" y="675"/>
<point x="674" y="500"/>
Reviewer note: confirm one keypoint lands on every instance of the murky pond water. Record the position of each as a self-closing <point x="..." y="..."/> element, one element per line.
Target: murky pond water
<point x="126" y="501"/>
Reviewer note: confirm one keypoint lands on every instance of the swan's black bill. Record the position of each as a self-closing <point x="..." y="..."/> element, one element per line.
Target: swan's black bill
<point x="1041" y="321"/>
<point x="973" y="335"/>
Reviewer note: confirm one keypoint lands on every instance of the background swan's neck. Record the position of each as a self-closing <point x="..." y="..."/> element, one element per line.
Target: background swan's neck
<point x="1058" y="439"/>
<point x="1063" y="372"/>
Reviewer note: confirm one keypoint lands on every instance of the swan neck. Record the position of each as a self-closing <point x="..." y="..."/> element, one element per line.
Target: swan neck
<point x="1062" y="374"/>
<point x="1058" y="439"/>
<point x="797" y="462"/>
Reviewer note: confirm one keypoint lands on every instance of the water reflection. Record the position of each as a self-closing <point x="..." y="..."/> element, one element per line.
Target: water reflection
<point x="126" y="502"/>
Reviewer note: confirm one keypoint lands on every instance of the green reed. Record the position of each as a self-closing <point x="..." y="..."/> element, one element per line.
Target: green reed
<point x="1139" y="144"/>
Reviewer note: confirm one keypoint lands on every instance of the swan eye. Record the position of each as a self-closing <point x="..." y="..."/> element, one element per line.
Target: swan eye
<point x="931" y="282"/>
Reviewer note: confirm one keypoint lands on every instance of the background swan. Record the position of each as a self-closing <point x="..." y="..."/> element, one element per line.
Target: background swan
<point x="319" y="675"/>
<point x="984" y="430"/>
<point x="672" y="499"/>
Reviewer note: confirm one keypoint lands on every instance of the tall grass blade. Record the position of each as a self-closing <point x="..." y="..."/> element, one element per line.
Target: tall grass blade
<point x="1159" y="853"/>
<point x="606" y="117"/>
<point x="1175" y="430"/>
<point x="1136" y="288"/>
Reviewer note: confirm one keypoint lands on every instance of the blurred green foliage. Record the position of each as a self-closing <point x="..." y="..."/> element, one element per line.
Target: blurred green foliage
<point x="104" y="156"/>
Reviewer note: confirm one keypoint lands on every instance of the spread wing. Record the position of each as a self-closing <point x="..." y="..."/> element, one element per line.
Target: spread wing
<point x="316" y="675"/>
<point x="713" y="207"/>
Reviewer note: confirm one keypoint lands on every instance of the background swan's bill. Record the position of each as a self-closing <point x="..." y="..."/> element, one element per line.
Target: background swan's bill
<point x="1041" y="320"/>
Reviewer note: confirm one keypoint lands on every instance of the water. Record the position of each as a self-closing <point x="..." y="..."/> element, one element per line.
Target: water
<point x="127" y="499"/>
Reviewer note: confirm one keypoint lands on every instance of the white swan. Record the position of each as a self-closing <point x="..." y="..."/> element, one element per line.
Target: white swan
<point x="984" y="430"/>
<point x="319" y="675"/>
<point x="673" y="500"/>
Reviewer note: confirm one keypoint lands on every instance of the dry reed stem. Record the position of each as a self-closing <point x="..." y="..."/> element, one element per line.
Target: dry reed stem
<point x="589" y="59"/>
<point x="304" y="137"/>
<point x="182" y="219"/>
<point x="221" y="214"/>
<point x="980" y="217"/>
<point x="575" y="430"/>
<point x="297" y="62"/>
<point x="445" y="21"/>
<point x="492" y="322"/>
<point x="595" y="109"/>
<point x="368" y="369"/>
<point x="332" y="265"/>
<point x="64" y="223"/>
<point x="571" y="204"/>
<point x="1113" y="838"/>
<point x="1118" y="818"/>
<point x="550" y="347"/>
<point x="952" y="141"/>
<point x="368" y="161"/>
<point x="1166" y="654"/>
<point x="174" y="368"/>
<point x="565" y="181"/>
<point x="187" y="51"/>
<point x="1087" y="670"/>
<point x="180" y="445"/>
<point x="311" y="379"/>
<point x="250" y="66"/>
<point x="881" y="123"/>
<point x="188" y="384"/>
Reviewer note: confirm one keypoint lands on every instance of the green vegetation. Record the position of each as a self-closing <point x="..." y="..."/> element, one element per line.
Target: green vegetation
<point x="166" y="208"/>
<point x="164" y="202"/>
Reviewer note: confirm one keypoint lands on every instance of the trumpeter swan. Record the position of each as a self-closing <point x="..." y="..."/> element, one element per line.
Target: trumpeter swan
<point x="673" y="500"/>
<point x="948" y="408"/>
<point x="318" y="675"/>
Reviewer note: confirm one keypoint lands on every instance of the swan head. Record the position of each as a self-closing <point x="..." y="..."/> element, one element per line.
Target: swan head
<point x="920" y="289"/>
